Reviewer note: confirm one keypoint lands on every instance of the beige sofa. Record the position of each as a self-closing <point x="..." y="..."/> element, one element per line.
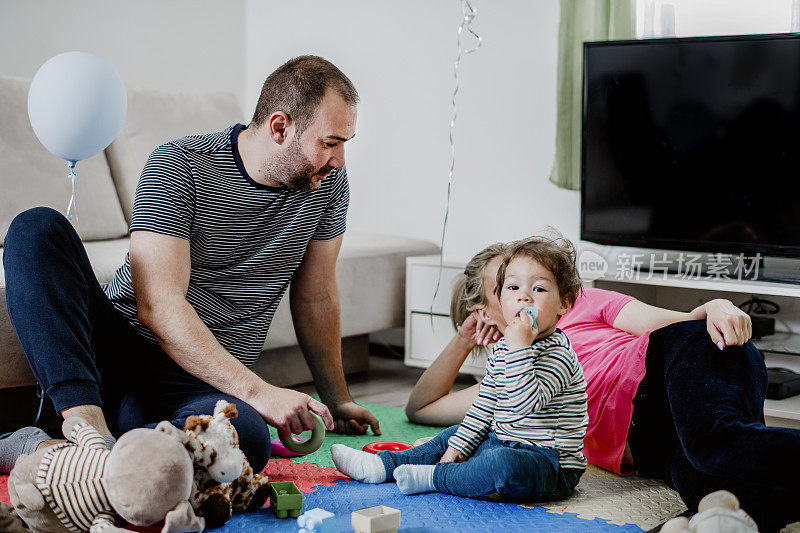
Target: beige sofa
<point x="370" y="270"/>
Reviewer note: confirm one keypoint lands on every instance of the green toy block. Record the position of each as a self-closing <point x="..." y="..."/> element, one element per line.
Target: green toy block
<point x="285" y="499"/>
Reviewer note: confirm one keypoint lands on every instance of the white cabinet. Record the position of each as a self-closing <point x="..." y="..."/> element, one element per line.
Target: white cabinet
<point x="428" y="324"/>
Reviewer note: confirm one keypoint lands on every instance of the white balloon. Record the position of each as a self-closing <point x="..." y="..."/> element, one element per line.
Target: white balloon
<point x="76" y="105"/>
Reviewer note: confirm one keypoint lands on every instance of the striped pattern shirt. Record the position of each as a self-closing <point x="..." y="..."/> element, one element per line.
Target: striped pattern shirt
<point x="246" y="239"/>
<point x="70" y="478"/>
<point x="536" y="396"/>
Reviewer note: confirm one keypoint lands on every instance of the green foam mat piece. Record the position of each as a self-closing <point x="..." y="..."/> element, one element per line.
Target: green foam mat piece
<point x="394" y="426"/>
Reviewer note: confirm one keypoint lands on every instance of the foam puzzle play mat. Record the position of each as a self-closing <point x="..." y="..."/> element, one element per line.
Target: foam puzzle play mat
<point x="315" y="497"/>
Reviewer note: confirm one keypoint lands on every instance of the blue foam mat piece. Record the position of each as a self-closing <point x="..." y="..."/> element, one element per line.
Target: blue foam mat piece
<point x="420" y="513"/>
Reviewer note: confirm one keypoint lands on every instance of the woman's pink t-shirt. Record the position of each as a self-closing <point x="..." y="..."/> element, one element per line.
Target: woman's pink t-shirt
<point x="613" y="365"/>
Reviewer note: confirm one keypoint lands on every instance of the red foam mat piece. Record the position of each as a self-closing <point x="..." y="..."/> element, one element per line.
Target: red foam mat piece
<point x="306" y="476"/>
<point x="4" y="489"/>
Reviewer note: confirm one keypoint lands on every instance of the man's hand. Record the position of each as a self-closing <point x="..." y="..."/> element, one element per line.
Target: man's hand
<point x="475" y="330"/>
<point x="520" y="333"/>
<point x="288" y="411"/>
<point x="727" y="324"/>
<point x="452" y="456"/>
<point x="352" y="419"/>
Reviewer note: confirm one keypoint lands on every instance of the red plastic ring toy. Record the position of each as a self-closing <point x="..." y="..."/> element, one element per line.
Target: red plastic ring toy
<point x="375" y="447"/>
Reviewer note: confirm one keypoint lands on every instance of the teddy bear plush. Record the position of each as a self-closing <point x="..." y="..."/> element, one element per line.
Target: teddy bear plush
<point x="223" y="478"/>
<point x="718" y="512"/>
<point x="146" y="478"/>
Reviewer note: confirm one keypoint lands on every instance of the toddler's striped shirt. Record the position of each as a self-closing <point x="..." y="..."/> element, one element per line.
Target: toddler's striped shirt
<point x="536" y="396"/>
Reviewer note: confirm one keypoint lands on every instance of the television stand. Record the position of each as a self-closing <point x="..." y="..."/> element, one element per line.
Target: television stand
<point x="778" y="275"/>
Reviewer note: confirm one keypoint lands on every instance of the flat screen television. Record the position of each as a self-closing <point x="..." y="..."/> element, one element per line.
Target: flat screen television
<point x="693" y="144"/>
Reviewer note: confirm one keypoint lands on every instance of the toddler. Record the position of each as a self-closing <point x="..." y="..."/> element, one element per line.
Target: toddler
<point x="522" y="438"/>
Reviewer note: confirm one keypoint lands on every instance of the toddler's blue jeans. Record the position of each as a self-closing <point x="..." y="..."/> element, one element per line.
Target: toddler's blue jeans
<point x="84" y="352"/>
<point x="511" y="471"/>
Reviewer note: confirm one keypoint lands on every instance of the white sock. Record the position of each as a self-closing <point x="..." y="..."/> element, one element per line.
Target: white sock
<point x="412" y="479"/>
<point x="361" y="466"/>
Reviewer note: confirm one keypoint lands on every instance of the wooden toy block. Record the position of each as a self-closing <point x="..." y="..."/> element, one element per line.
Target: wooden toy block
<point x="285" y="499"/>
<point x="380" y="519"/>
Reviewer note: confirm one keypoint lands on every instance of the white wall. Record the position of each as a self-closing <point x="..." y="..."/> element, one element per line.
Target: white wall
<point x="175" y="44"/>
<point x="400" y="57"/>
<point x="731" y="17"/>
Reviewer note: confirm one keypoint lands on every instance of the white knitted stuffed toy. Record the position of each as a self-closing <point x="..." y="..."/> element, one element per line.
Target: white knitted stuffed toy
<point x="718" y="512"/>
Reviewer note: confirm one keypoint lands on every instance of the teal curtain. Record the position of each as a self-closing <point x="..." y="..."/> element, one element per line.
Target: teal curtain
<point x="581" y="20"/>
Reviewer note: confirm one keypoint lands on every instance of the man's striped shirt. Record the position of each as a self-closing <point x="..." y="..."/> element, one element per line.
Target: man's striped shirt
<point x="71" y="480"/>
<point x="246" y="239"/>
<point x="536" y="396"/>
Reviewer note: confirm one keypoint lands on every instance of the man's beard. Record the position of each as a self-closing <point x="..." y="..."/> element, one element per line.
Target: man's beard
<point x="293" y="169"/>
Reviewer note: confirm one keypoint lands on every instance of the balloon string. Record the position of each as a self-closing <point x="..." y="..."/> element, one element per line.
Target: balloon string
<point x="72" y="207"/>
<point x="467" y="16"/>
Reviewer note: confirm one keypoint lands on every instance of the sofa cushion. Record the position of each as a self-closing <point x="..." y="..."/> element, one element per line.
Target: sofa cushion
<point x="156" y="117"/>
<point x="31" y="176"/>
<point x="371" y="274"/>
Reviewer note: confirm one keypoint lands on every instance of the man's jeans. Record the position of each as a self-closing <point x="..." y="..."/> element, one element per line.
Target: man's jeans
<point x="84" y="352"/>
<point x="510" y="470"/>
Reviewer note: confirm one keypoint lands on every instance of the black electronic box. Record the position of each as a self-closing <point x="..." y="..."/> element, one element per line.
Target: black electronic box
<point x="783" y="383"/>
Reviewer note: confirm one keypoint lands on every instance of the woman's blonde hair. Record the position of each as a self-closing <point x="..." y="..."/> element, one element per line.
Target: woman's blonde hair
<point x="469" y="293"/>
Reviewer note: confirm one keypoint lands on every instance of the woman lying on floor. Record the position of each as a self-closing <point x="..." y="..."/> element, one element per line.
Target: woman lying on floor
<point x="678" y="396"/>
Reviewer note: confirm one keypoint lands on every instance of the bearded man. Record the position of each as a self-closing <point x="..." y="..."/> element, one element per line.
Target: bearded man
<point x="222" y="224"/>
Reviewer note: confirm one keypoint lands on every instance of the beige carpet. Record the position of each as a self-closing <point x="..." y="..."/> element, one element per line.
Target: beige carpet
<point x="619" y="500"/>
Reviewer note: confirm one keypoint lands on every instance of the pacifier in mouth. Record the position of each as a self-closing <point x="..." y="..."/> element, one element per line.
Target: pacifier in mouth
<point x="532" y="312"/>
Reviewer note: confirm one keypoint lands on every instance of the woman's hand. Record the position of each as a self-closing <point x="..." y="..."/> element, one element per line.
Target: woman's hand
<point x="727" y="324"/>
<point x="520" y="333"/>
<point x="452" y="456"/>
<point x="475" y="330"/>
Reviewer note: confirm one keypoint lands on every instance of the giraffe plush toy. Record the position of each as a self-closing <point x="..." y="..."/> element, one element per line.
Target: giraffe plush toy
<point x="223" y="479"/>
